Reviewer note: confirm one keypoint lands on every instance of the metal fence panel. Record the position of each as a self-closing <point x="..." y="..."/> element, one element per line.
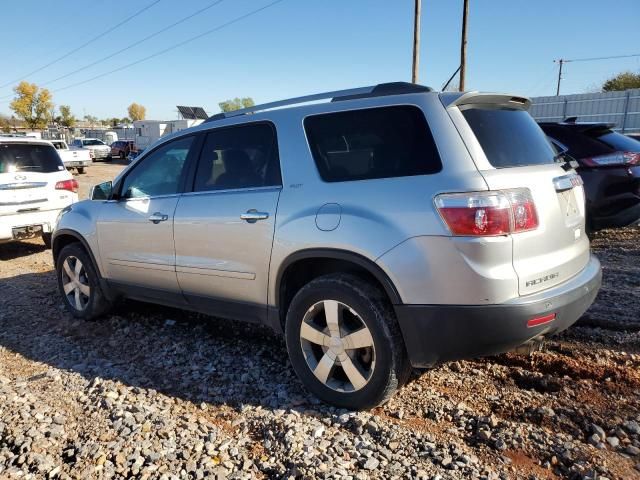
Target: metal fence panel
<point x="621" y="108"/>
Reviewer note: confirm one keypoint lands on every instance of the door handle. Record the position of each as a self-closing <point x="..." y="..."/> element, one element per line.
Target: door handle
<point x="158" y="217"/>
<point x="252" y="216"/>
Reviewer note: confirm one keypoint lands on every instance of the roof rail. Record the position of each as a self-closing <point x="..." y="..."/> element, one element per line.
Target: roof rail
<point x="382" y="89"/>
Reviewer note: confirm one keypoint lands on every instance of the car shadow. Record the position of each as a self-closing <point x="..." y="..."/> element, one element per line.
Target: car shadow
<point x="13" y="250"/>
<point x="177" y="353"/>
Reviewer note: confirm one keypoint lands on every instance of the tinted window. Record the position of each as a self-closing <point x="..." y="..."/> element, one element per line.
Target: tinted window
<point x="92" y="142"/>
<point x="238" y="157"/>
<point x="509" y="137"/>
<point x="160" y="173"/>
<point x="372" y="143"/>
<point x="22" y="157"/>
<point x="580" y="145"/>
<point x="620" y="142"/>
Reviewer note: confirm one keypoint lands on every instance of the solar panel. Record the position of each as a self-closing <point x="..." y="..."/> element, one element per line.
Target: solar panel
<point x="192" y="113"/>
<point x="200" y="113"/>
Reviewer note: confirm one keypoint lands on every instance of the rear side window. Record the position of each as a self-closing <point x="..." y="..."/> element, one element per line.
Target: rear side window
<point x="372" y="143"/>
<point x="509" y="137"/>
<point x="620" y="142"/>
<point x="22" y="157"/>
<point x="580" y="145"/>
<point x="245" y="156"/>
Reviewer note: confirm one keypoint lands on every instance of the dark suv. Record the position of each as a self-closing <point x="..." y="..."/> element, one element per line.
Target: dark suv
<point x="609" y="164"/>
<point x="122" y="148"/>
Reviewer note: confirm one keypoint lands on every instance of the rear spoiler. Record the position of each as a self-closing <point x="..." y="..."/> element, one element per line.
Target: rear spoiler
<point x="454" y="99"/>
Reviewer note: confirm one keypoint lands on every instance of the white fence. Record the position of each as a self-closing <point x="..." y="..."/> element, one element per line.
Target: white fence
<point x="620" y="108"/>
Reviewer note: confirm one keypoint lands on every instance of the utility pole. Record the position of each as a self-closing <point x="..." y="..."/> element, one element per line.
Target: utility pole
<point x="416" y="41"/>
<point x="560" y="62"/>
<point x="463" y="45"/>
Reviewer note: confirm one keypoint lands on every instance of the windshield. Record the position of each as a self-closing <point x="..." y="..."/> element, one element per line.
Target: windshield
<point x="620" y="142"/>
<point x="92" y="142"/>
<point x="509" y="137"/>
<point x="23" y="157"/>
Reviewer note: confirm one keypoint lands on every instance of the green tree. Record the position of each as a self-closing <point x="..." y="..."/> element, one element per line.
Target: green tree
<point x="32" y="104"/>
<point x="236" y="104"/>
<point x="136" y="111"/>
<point x="66" y="118"/>
<point x="622" y="81"/>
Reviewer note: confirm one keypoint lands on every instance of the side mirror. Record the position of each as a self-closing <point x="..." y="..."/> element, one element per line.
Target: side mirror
<point x="102" y="191"/>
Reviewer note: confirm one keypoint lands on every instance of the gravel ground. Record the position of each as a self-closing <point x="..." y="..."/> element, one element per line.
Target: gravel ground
<point x="152" y="392"/>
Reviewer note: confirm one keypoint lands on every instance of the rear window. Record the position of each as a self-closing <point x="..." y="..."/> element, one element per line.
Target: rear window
<point x="620" y="142"/>
<point x="509" y="137"/>
<point x="21" y="157"/>
<point x="372" y="143"/>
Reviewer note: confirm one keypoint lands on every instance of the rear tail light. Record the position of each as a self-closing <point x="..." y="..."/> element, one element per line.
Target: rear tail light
<point x="488" y="213"/>
<point x="613" y="159"/>
<point x="70" y="185"/>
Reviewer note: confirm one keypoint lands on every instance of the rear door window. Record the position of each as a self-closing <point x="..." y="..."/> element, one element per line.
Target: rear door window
<point x="24" y="157"/>
<point x="372" y="143"/>
<point x="509" y="137"/>
<point x="245" y="156"/>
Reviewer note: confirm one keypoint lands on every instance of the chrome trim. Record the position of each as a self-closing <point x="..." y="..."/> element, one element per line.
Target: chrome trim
<point x="233" y="190"/>
<point x="22" y="185"/>
<point x="567" y="182"/>
<point x="26" y="202"/>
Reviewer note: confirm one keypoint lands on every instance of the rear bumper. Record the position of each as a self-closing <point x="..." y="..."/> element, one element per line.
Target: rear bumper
<point x="438" y="333"/>
<point x="47" y="219"/>
<point x="77" y="163"/>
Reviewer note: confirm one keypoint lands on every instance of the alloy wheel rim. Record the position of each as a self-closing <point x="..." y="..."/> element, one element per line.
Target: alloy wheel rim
<point x="337" y="346"/>
<point x="75" y="283"/>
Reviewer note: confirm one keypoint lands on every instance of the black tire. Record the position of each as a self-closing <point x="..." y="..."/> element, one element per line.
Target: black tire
<point x="46" y="238"/>
<point x="392" y="368"/>
<point x="80" y="170"/>
<point x="122" y="155"/>
<point x="97" y="303"/>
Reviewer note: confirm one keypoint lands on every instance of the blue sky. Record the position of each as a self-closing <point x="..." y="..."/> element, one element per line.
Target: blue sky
<point x="298" y="47"/>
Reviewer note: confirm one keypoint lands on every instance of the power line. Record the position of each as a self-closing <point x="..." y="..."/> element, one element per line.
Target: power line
<point x="83" y="45"/>
<point x="562" y="61"/>
<point x="602" y="58"/>
<point x="135" y="44"/>
<point x="173" y="47"/>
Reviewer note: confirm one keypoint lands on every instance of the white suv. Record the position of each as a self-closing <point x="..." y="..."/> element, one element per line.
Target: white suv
<point x="34" y="187"/>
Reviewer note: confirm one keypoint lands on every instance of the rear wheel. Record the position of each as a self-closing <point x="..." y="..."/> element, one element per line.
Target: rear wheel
<point x="46" y="238"/>
<point x="344" y="342"/>
<point x="122" y="155"/>
<point x="79" y="283"/>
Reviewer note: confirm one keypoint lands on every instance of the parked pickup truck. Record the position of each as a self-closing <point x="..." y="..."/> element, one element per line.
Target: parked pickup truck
<point x="97" y="148"/>
<point x="78" y="158"/>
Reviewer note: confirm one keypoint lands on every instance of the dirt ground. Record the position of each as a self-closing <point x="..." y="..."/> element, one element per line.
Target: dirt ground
<point x="152" y="392"/>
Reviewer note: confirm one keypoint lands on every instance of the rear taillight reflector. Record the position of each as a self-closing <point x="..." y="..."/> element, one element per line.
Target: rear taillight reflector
<point x="70" y="185"/>
<point x="534" y="322"/>
<point x="488" y="213"/>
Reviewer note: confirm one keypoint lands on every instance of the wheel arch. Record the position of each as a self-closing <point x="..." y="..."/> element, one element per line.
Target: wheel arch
<point x="66" y="237"/>
<point x="303" y="266"/>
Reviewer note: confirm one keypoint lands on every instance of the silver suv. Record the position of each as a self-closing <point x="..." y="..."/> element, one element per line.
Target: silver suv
<point x="391" y="227"/>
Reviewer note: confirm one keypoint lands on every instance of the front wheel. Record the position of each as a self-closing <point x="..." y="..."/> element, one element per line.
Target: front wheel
<point x="344" y="342"/>
<point x="79" y="283"/>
